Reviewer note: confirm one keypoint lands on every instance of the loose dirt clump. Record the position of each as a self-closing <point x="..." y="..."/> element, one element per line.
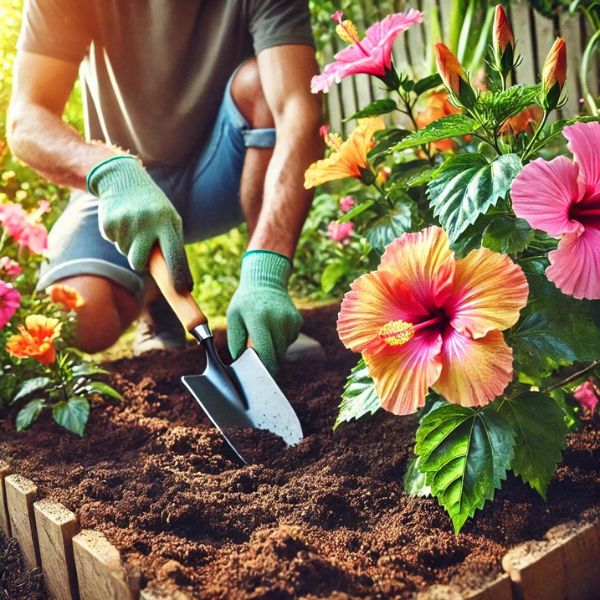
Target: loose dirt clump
<point x="16" y="583"/>
<point x="326" y="519"/>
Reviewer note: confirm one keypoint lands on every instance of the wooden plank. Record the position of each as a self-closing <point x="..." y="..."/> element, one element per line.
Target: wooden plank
<point x="20" y="495"/>
<point x="498" y="589"/>
<point x="4" y="519"/>
<point x="569" y="29"/>
<point x="100" y="574"/>
<point x="440" y="592"/>
<point x="56" y="526"/>
<point x="526" y="72"/>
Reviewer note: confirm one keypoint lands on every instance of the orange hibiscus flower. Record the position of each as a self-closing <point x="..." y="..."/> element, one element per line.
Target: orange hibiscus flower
<point x="437" y="106"/>
<point x="65" y="295"/>
<point x="36" y="339"/>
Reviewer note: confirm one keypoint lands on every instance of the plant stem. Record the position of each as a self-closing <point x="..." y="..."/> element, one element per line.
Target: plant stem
<point x="558" y="385"/>
<point x="528" y="150"/>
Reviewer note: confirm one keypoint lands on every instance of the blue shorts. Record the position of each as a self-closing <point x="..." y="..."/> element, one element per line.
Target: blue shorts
<point x="205" y="192"/>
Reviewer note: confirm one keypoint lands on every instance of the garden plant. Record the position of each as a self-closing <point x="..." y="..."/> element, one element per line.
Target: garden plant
<point x="479" y="311"/>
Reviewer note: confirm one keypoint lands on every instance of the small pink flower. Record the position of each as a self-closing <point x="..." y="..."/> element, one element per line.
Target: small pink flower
<point x="372" y="55"/>
<point x="562" y="198"/>
<point x="347" y="203"/>
<point x="10" y="300"/>
<point x="34" y="237"/>
<point x="587" y="395"/>
<point x="13" y="218"/>
<point x="25" y="228"/>
<point x="9" y="267"/>
<point x="340" y="232"/>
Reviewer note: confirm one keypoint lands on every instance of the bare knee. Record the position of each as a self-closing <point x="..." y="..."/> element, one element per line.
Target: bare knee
<point x="248" y="95"/>
<point x="107" y="311"/>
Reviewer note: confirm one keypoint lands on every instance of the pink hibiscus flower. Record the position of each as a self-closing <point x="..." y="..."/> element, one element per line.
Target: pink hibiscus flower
<point x="371" y="56"/>
<point x="562" y="198"/>
<point x="9" y="267"/>
<point x="587" y="395"/>
<point x="10" y="299"/>
<point x="340" y="232"/>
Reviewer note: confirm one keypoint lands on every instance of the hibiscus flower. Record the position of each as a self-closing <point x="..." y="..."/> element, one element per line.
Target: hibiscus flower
<point x="10" y="300"/>
<point x="36" y="339"/>
<point x="425" y="319"/>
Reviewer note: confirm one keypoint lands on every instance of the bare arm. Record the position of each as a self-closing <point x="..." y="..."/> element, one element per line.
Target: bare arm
<point x="37" y="135"/>
<point x="285" y="73"/>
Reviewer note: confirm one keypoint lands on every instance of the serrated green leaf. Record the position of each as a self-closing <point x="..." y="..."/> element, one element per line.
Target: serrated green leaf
<point x="540" y="431"/>
<point x="415" y="482"/>
<point x="384" y="141"/>
<point x="73" y="414"/>
<point x="390" y="226"/>
<point x="444" y="128"/>
<point x="359" y="209"/>
<point x="99" y="387"/>
<point x="465" y="454"/>
<point x="31" y="385"/>
<point x="359" y="396"/>
<point x="377" y="107"/>
<point x="499" y="106"/>
<point x="507" y="235"/>
<point x="29" y="413"/>
<point x="332" y="273"/>
<point x="467" y="186"/>
<point x="427" y="83"/>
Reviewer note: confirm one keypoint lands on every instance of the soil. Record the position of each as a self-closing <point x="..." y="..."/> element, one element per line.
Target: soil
<point x="16" y="583"/>
<point x="327" y="518"/>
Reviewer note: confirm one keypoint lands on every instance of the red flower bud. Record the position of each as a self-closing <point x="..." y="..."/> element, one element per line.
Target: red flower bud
<point x="503" y="41"/>
<point x="554" y="74"/>
<point x="453" y="75"/>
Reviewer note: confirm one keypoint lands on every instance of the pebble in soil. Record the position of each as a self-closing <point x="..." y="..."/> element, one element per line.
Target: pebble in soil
<point x="327" y="518"/>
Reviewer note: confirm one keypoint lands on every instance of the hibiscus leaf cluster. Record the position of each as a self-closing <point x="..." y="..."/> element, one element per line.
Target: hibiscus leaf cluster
<point x="479" y="312"/>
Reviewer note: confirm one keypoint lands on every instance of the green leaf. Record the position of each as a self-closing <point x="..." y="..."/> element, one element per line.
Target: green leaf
<point x="30" y="386"/>
<point x="415" y="482"/>
<point x="29" y="413"/>
<point x="359" y="396"/>
<point x="385" y="140"/>
<point x="390" y="226"/>
<point x="73" y="414"/>
<point x="499" y="106"/>
<point x="446" y="127"/>
<point x="357" y="210"/>
<point x="507" y="235"/>
<point x="427" y="83"/>
<point x="554" y="130"/>
<point x="86" y="369"/>
<point x="377" y="107"/>
<point x="554" y="330"/>
<point x="99" y="387"/>
<point x="540" y="430"/>
<point x="332" y="273"/>
<point x="465" y="454"/>
<point x="467" y="186"/>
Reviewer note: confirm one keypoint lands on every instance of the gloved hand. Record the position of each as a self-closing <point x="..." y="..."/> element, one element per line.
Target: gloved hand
<point x="262" y="310"/>
<point x="134" y="213"/>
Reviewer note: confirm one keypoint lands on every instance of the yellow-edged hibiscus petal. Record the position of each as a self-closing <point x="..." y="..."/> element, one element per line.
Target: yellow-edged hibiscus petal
<point x="424" y="262"/>
<point x="348" y="159"/>
<point x="403" y="377"/>
<point x="489" y="292"/>
<point x="375" y="299"/>
<point x="474" y="372"/>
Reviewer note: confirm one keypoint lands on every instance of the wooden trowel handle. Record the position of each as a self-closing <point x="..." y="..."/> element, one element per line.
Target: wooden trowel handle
<point x="184" y="305"/>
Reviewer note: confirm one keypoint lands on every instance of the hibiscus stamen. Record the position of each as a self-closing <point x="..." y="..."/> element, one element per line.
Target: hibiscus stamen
<point x="347" y="31"/>
<point x="398" y="333"/>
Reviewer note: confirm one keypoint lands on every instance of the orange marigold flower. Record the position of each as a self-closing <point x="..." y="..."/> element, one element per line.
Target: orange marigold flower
<point x="65" y="295"/>
<point x="348" y="158"/>
<point x="35" y="339"/>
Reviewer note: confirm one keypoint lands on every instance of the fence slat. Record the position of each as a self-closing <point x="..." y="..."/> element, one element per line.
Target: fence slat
<point x="569" y="29"/>
<point x="4" y="519"/>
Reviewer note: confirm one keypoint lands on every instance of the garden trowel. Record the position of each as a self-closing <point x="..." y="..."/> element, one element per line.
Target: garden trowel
<point x="242" y="395"/>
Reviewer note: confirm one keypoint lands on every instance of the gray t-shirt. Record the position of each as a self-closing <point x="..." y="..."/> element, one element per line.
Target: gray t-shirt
<point x="154" y="71"/>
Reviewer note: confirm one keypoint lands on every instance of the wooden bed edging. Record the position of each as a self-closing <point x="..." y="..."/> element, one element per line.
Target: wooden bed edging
<point x="85" y="565"/>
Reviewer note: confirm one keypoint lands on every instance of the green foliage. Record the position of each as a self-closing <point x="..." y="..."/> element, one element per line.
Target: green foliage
<point x="72" y="414"/>
<point x="377" y="107"/>
<point x="540" y="429"/>
<point x="467" y="186"/>
<point x="444" y="128"/>
<point x="359" y="396"/>
<point x="29" y="413"/>
<point x="415" y="481"/>
<point x="496" y="107"/>
<point x="507" y="235"/>
<point x="465" y="454"/>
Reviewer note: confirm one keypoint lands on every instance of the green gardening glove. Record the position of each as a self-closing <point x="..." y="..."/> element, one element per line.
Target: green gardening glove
<point x="135" y="214"/>
<point x="262" y="310"/>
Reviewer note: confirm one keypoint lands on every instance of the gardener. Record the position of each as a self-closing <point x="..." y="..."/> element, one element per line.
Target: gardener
<point x="182" y="101"/>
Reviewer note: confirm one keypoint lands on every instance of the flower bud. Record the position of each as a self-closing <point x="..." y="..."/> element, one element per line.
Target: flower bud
<point x="554" y="75"/>
<point x="503" y="42"/>
<point x="454" y="77"/>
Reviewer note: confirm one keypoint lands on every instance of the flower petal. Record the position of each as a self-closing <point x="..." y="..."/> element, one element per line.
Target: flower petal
<point x="375" y="299"/>
<point x="584" y="141"/>
<point x="403" y="378"/>
<point x="474" y="372"/>
<point x="575" y="265"/>
<point x="543" y="192"/>
<point x="489" y="292"/>
<point x="424" y="262"/>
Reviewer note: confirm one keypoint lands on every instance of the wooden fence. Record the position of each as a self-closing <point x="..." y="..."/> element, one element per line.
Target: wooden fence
<point x="413" y="52"/>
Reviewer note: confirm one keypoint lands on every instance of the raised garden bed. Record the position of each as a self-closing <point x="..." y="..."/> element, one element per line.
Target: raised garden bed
<point x="328" y="517"/>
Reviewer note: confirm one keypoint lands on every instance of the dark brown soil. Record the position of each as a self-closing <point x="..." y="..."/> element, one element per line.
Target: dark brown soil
<point x="16" y="583"/>
<point x="327" y="518"/>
